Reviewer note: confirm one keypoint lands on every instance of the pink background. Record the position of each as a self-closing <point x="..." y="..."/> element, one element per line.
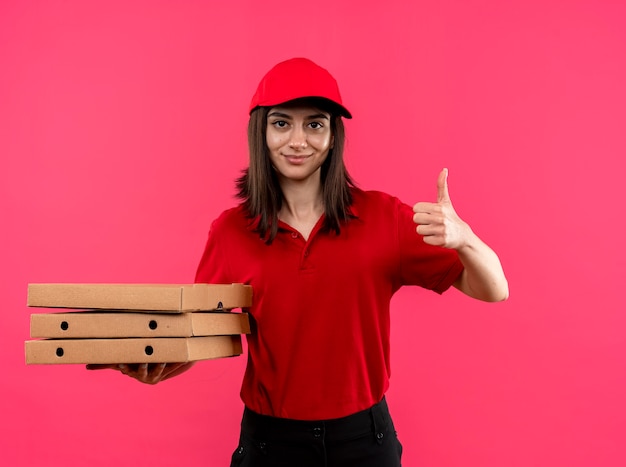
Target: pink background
<point x="122" y="127"/>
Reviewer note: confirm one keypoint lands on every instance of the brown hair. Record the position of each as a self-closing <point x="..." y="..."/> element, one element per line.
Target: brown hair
<point x="260" y="191"/>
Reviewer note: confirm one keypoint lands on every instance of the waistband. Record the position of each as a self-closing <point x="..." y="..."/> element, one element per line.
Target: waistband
<point x="374" y="419"/>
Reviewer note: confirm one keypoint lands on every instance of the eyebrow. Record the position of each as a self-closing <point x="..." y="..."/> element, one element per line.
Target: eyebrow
<point x="310" y="117"/>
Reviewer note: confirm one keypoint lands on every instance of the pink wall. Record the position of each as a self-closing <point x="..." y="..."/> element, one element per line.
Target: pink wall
<point x="122" y="128"/>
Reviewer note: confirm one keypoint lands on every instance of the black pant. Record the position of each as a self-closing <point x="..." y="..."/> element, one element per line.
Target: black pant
<point x="364" y="439"/>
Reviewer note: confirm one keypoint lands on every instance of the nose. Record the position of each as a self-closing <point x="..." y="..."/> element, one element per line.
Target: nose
<point x="298" y="139"/>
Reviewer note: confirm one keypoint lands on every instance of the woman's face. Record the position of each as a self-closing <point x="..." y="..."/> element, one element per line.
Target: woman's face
<point x="299" y="138"/>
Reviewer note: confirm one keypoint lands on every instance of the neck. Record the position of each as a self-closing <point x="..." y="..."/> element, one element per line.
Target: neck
<point x="302" y="200"/>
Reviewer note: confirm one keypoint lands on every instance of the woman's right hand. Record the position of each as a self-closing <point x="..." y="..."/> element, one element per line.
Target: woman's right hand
<point x="148" y="373"/>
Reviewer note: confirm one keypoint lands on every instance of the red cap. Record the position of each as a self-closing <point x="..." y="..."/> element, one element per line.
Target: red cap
<point x="294" y="79"/>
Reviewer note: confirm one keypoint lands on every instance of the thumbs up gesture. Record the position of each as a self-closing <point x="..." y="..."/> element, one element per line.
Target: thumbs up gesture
<point x="438" y="222"/>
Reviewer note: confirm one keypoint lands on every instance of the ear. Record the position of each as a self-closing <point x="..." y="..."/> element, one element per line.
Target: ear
<point x="332" y="141"/>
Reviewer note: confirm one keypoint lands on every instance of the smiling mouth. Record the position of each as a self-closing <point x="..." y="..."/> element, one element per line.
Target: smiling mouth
<point x="299" y="159"/>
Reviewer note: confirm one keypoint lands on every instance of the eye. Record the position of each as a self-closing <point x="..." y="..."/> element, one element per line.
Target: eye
<point x="279" y="124"/>
<point x="316" y="125"/>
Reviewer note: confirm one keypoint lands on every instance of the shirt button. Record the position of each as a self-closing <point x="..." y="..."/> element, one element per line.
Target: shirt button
<point x="294" y="235"/>
<point x="306" y="253"/>
<point x="317" y="432"/>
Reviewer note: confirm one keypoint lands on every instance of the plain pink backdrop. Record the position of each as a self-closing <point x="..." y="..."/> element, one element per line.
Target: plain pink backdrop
<point x="122" y="128"/>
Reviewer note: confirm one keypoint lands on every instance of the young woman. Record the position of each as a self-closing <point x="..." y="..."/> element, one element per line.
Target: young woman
<point x="324" y="259"/>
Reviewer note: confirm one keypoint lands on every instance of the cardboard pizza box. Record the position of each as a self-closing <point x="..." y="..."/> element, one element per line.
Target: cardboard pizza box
<point x="141" y="297"/>
<point x="132" y="350"/>
<point x="116" y="324"/>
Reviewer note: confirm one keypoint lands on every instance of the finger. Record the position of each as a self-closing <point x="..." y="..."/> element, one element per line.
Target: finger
<point x="102" y="366"/>
<point x="150" y="373"/>
<point x="442" y="187"/>
<point x="426" y="207"/>
<point x="172" y="368"/>
<point x="123" y="368"/>
<point x="142" y="372"/>
<point x="435" y="240"/>
<point x="429" y="230"/>
<point x="424" y="218"/>
<point x="156" y="372"/>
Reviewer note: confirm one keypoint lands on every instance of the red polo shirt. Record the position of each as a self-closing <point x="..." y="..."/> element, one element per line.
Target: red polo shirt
<point x="320" y="342"/>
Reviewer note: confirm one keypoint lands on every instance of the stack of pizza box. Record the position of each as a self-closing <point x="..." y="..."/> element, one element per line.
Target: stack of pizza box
<point x="136" y="323"/>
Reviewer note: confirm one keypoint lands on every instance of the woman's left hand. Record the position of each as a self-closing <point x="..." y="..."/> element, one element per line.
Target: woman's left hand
<point x="482" y="276"/>
<point x="438" y="222"/>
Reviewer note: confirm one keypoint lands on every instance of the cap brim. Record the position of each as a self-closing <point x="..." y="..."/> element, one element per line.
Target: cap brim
<point x="326" y="104"/>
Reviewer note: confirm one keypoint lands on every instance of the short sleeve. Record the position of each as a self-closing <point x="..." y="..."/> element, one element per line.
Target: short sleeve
<point x="213" y="267"/>
<point x="428" y="266"/>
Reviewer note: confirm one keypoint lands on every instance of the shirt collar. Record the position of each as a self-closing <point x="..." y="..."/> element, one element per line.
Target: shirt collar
<point x="353" y="211"/>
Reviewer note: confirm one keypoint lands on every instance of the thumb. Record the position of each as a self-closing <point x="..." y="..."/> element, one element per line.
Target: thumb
<point x="442" y="187"/>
